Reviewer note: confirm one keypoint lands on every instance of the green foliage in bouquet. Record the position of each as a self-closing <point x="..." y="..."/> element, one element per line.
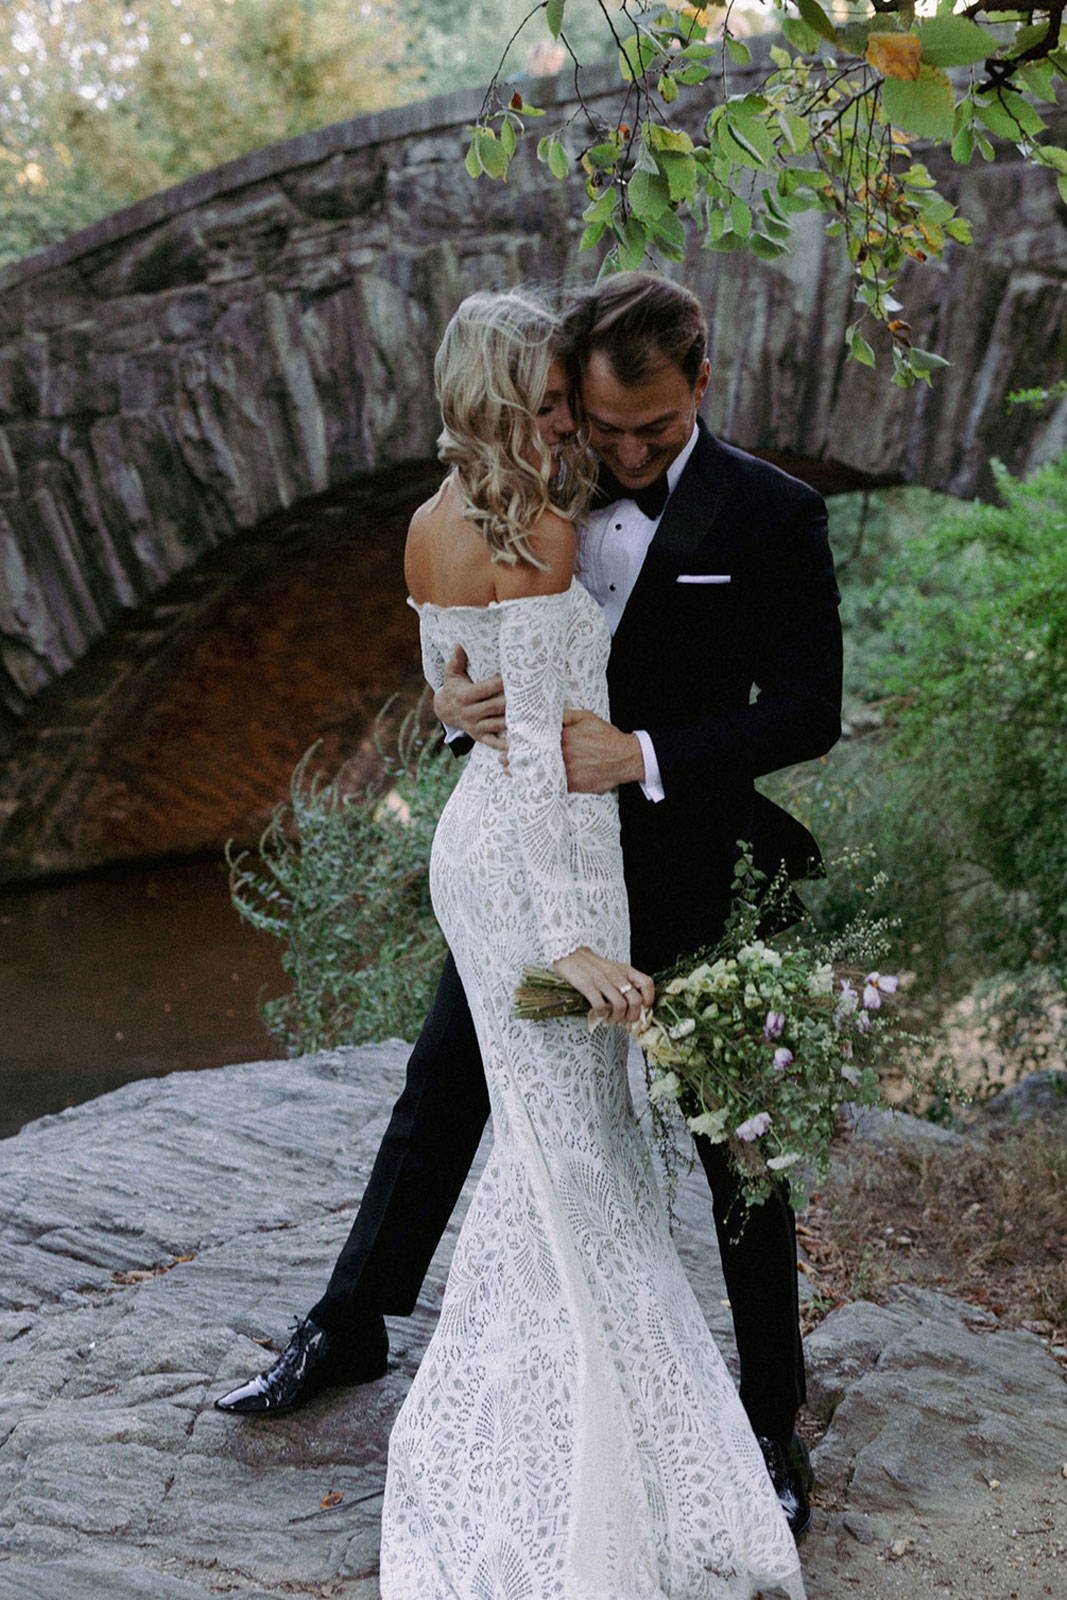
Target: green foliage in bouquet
<point x="342" y="880"/>
<point x="758" y="1043"/>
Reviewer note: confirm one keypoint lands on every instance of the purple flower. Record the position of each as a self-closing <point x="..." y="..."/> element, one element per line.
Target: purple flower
<point x="782" y="1058"/>
<point x="772" y="1028"/>
<point x="755" y="1127"/>
<point x="863" y="1023"/>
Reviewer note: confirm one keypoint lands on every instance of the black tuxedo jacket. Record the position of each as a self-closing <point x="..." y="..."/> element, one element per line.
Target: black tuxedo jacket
<point x="732" y="680"/>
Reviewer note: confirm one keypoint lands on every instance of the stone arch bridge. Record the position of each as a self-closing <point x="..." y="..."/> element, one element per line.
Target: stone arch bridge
<point x="176" y="376"/>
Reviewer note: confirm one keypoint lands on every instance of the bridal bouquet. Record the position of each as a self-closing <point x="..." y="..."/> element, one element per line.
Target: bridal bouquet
<point x="757" y="1043"/>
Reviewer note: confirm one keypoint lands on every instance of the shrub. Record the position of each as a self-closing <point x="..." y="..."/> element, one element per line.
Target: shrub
<point x="342" y="880"/>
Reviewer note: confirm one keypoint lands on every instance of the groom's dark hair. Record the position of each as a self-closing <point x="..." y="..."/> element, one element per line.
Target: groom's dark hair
<point x="641" y="322"/>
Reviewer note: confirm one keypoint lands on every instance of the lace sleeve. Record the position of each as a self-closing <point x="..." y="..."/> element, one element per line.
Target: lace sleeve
<point x="533" y="654"/>
<point x="433" y="661"/>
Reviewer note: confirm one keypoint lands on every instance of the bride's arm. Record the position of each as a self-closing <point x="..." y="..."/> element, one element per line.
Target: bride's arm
<point x="533" y="655"/>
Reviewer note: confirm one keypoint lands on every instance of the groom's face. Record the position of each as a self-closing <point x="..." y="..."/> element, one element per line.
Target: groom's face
<point x="638" y="431"/>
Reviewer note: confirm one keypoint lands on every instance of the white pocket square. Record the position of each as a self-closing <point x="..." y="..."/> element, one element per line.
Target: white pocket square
<point x="703" y="577"/>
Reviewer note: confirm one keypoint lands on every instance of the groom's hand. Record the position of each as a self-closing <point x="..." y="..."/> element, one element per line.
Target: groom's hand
<point x="599" y="756"/>
<point x="476" y="709"/>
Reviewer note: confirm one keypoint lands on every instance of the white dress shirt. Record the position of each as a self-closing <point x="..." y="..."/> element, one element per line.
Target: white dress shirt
<point x="612" y="545"/>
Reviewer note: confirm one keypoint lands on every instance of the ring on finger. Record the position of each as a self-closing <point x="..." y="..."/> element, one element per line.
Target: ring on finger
<point x="625" y="988"/>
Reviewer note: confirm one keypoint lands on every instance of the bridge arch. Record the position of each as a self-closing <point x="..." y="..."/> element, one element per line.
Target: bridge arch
<point x="263" y="333"/>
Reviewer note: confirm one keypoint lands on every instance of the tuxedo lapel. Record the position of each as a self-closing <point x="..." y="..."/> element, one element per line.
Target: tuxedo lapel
<point x="688" y="519"/>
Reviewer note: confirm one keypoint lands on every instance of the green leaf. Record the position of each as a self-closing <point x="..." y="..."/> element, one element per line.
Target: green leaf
<point x="777" y="229"/>
<point x="669" y="232"/>
<point x="795" y="131"/>
<point x="858" y="347"/>
<point x="924" y="361"/>
<point x="602" y="208"/>
<point x="800" y="36"/>
<point x="960" y="230"/>
<point x="955" y="42"/>
<point x="682" y="174"/>
<point x="695" y="72"/>
<point x="853" y="36"/>
<point x="716" y="224"/>
<point x="507" y="136"/>
<point x="1039" y="78"/>
<point x="1061" y="184"/>
<point x="662" y="138"/>
<point x="668" y="89"/>
<point x="740" y="217"/>
<point x="816" y="19"/>
<point x="559" y="162"/>
<point x="649" y="196"/>
<point x="471" y="161"/>
<point x="491" y="153"/>
<point x="636" y="55"/>
<point x="740" y="54"/>
<point x="924" y="106"/>
<point x="633" y="242"/>
<point x="602" y="156"/>
<point x="985" y="149"/>
<point x="781" y="58"/>
<point x="554" y="16"/>
<point x="747" y="141"/>
<point x="725" y="241"/>
<point x="592" y="235"/>
<point x="1009" y="116"/>
<point x="963" y="146"/>
<point x="763" y="247"/>
<point x="1050" y="155"/>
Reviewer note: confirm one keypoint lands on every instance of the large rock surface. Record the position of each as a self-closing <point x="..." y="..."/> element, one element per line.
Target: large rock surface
<point x="152" y="1239"/>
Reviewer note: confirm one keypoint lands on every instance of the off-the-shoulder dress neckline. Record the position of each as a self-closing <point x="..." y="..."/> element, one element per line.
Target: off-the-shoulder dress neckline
<point x="492" y="605"/>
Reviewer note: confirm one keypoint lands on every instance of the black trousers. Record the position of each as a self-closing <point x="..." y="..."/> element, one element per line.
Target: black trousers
<point x="425" y="1156"/>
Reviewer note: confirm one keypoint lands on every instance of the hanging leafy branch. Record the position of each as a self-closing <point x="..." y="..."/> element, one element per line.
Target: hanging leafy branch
<point x="828" y="127"/>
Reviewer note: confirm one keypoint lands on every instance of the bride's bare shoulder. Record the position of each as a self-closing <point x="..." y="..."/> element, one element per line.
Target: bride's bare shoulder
<point x="554" y="542"/>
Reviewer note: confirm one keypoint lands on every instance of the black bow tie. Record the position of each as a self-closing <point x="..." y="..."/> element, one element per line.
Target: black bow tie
<point x="651" y="499"/>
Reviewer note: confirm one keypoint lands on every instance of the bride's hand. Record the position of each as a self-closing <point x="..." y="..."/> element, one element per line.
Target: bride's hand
<point x="477" y="709"/>
<point x="616" y="991"/>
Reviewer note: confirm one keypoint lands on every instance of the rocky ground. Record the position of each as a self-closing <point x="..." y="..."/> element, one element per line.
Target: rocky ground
<point x="153" y="1241"/>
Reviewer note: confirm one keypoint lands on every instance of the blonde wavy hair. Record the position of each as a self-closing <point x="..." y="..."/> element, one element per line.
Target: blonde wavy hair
<point x="491" y="374"/>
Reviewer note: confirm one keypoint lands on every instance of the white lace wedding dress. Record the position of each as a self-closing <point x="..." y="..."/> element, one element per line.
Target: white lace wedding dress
<point x="572" y="1432"/>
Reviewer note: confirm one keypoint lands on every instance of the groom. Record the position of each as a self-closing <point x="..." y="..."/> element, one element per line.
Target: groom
<point x="714" y="573"/>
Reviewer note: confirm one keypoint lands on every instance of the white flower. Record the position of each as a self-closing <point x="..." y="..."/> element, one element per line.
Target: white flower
<point x="757" y="951"/>
<point x="659" y="1088"/>
<point x="683" y="1029"/>
<point x="822" y="980"/>
<point x="782" y="1058"/>
<point x="850" y="1074"/>
<point x="755" y="1127"/>
<point x="848" y="1000"/>
<point x="710" y="1123"/>
<point x="777" y="1163"/>
<point x="676" y="986"/>
<point x="877" y="984"/>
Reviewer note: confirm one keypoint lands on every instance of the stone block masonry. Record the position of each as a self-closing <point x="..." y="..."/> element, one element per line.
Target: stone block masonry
<point x="264" y="332"/>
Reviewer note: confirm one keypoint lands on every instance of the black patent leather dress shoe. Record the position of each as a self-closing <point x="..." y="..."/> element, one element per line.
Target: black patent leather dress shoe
<point x="313" y="1360"/>
<point x="789" y="1466"/>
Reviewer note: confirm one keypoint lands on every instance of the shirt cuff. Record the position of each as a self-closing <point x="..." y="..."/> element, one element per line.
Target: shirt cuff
<point x="652" y="787"/>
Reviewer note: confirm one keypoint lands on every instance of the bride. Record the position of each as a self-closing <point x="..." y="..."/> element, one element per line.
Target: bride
<point x="572" y="1431"/>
